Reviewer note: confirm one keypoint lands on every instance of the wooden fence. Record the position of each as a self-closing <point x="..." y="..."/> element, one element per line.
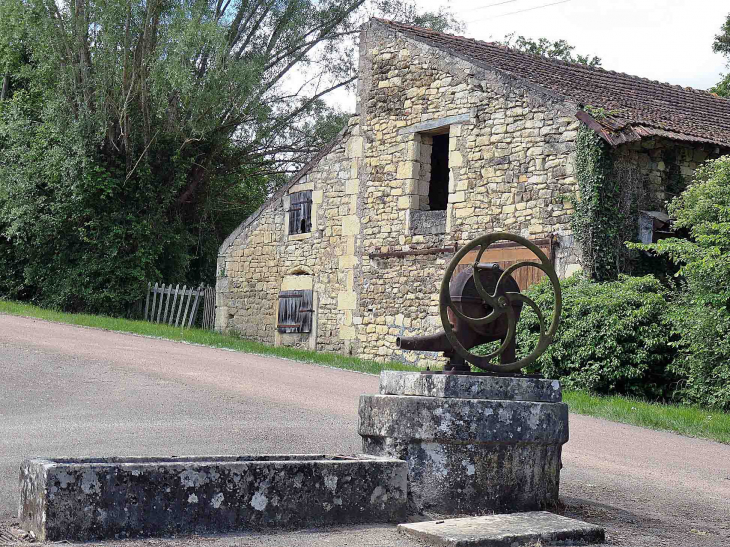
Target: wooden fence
<point x="179" y="307"/>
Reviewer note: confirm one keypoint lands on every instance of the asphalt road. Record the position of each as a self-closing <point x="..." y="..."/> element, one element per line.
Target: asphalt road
<point x="74" y="392"/>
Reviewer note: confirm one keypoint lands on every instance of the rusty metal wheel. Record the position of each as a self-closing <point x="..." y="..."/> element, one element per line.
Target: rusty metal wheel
<point x="499" y="304"/>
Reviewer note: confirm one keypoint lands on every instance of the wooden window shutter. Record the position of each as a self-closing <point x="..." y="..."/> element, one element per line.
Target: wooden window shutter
<point x="295" y="311"/>
<point x="300" y="212"/>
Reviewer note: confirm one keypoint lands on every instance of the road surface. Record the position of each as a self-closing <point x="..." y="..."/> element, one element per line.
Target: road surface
<point x="73" y="391"/>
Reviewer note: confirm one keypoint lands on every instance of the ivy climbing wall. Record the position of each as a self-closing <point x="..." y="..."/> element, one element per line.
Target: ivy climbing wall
<point x="615" y="184"/>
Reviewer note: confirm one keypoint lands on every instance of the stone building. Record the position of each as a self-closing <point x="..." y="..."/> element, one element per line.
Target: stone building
<point x="452" y="138"/>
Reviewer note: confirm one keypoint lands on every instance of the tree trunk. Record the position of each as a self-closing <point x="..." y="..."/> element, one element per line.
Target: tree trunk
<point x="6" y="85"/>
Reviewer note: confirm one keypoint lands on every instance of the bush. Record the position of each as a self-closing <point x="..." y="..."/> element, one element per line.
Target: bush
<point x="637" y="337"/>
<point x="701" y="318"/>
<point x="614" y="337"/>
<point x="703" y="356"/>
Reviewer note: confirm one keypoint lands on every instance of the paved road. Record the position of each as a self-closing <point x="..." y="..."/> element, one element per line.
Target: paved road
<point x="71" y="391"/>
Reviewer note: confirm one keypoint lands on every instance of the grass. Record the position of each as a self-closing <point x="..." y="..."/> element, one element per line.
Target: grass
<point x="202" y="337"/>
<point x="691" y="421"/>
<point x="685" y="420"/>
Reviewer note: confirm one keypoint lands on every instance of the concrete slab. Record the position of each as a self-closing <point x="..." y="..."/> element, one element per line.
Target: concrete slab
<point x="506" y="531"/>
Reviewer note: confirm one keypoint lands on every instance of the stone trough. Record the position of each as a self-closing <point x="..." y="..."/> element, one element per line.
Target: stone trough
<point x="84" y="499"/>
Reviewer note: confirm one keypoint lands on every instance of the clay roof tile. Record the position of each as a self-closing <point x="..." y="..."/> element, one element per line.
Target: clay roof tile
<point x="659" y="108"/>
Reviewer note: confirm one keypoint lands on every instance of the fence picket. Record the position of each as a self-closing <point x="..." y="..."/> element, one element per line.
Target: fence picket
<point x="211" y="324"/>
<point x="204" y="322"/>
<point x="154" y="299"/>
<point x="147" y="300"/>
<point x="167" y="305"/>
<point x="195" y="306"/>
<point x="187" y="307"/>
<point x="211" y="307"/>
<point x="162" y="300"/>
<point x="182" y="301"/>
<point x="174" y="301"/>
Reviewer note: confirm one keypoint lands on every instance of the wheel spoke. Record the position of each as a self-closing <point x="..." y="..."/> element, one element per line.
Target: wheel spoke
<point x="511" y="328"/>
<point x="495" y="314"/>
<point x="493" y="301"/>
<point x="489" y="299"/>
<point x="516" y="266"/>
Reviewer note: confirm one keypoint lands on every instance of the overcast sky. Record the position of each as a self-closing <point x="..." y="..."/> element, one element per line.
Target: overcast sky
<point x="665" y="40"/>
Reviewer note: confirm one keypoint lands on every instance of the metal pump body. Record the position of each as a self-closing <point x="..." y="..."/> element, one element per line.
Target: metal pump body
<point x="482" y="303"/>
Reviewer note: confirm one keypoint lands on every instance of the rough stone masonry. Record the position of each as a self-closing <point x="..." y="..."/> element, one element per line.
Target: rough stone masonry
<point x="380" y="235"/>
<point x="83" y="499"/>
<point x="474" y="444"/>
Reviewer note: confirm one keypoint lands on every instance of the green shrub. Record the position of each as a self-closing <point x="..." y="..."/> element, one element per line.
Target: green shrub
<point x="701" y="317"/>
<point x="614" y="337"/>
<point x="703" y="356"/>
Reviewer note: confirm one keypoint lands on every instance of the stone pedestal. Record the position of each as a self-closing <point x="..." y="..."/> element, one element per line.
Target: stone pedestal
<point x="474" y="444"/>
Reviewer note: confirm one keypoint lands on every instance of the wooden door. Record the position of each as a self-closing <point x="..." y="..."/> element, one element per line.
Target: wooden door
<point x="507" y="253"/>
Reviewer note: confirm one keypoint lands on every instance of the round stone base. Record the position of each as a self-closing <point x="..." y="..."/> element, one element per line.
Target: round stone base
<point x="471" y="479"/>
<point x="468" y="453"/>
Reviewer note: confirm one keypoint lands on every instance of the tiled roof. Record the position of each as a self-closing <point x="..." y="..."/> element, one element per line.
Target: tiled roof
<point x="636" y="107"/>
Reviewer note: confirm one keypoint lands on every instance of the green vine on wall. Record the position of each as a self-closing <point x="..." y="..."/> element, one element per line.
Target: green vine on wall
<point x="595" y="221"/>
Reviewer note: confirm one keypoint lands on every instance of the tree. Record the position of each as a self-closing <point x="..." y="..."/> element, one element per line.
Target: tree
<point x="722" y="40"/>
<point x="145" y="130"/>
<point x="722" y="45"/>
<point x="558" y="49"/>
<point x="701" y="312"/>
<point x="723" y="87"/>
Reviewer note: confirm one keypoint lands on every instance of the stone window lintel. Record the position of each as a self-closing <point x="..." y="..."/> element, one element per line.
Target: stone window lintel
<point x="435" y="126"/>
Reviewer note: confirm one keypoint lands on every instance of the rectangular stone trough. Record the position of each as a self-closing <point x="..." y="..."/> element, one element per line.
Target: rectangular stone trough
<point x="83" y="499"/>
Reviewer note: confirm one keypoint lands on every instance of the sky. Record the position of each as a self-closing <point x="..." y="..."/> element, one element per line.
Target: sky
<point x="664" y="40"/>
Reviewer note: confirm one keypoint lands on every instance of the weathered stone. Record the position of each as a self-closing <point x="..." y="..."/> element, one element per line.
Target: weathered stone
<point x="511" y="158"/>
<point x="467" y="455"/>
<point x="536" y="527"/>
<point x="427" y="222"/>
<point x="451" y="420"/>
<point x="82" y="499"/>
<point x="470" y="387"/>
<point x="435" y="124"/>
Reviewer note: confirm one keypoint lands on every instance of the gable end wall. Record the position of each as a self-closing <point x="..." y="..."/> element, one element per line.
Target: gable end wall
<point x="512" y="165"/>
<point x="262" y="259"/>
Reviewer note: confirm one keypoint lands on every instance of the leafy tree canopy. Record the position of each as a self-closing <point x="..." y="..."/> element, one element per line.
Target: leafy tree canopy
<point x="723" y="87"/>
<point x="722" y="45"/>
<point x="136" y="134"/>
<point x="722" y="40"/>
<point x="557" y="49"/>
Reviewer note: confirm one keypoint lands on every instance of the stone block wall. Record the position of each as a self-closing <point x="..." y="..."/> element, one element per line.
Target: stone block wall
<point x="662" y="167"/>
<point x="511" y="158"/>
<point x="261" y="258"/>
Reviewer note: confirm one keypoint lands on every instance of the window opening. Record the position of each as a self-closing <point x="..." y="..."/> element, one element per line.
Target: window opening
<point x="438" y="188"/>
<point x="300" y="212"/>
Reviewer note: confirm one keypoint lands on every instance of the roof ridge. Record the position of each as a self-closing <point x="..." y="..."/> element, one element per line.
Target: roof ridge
<point x="405" y="26"/>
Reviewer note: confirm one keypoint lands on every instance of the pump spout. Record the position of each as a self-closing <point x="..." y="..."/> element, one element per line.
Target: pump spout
<point x="432" y="342"/>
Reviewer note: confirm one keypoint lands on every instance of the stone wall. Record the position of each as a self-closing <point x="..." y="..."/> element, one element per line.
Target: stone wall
<point x="663" y="167"/>
<point x="511" y="159"/>
<point x="115" y="498"/>
<point x="261" y="259"/>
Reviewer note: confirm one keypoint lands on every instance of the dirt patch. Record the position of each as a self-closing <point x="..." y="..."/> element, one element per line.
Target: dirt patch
<point x="636" y="526"/>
